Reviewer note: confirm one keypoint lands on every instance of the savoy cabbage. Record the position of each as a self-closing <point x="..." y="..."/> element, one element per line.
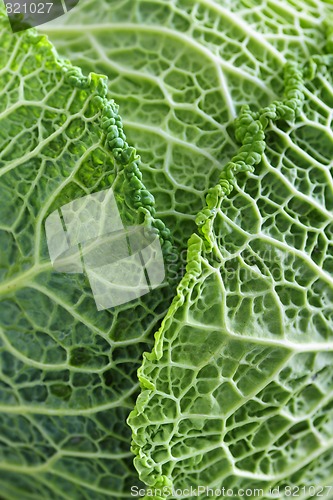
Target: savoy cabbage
<point x="230" y="105"/>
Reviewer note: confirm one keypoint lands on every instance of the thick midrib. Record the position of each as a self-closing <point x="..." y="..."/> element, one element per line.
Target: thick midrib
<point x="219" y="10"/>
<point x="291" y="469"/>
<point x="283" y="343"/>
<point x="216" y="59"/>
<point x="184" y="38"/>
<point x="23" y="280"/>
<point x="294" y="12"/>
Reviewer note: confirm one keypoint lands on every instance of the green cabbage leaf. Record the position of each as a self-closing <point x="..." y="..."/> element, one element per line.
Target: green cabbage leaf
<point x="180" y="71"/>
<point x="229" y="104"/>
<point x="67" y="370"/>
<point x="238" y="391"/>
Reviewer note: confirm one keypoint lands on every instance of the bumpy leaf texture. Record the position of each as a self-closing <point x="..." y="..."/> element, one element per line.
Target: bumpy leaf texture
<point x="67" y="371"/>
<point x="238" y="391"/>
<point x="239" y="381"/>
<point x="180" y="71"/>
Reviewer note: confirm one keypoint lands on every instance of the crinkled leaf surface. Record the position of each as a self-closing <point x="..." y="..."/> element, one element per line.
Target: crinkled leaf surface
<point x="181" y="70"/>
<point x="67" y="371"/>
<point x="238" y="391"/>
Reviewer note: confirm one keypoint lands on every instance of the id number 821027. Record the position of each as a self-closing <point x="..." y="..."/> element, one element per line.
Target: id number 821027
<point x="27" y="7"/>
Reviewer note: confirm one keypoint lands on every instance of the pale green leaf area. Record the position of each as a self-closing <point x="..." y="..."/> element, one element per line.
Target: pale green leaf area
<point x="67" y="372"/>
<point x="237" y="389"/>
<point x="180" y="71"/>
